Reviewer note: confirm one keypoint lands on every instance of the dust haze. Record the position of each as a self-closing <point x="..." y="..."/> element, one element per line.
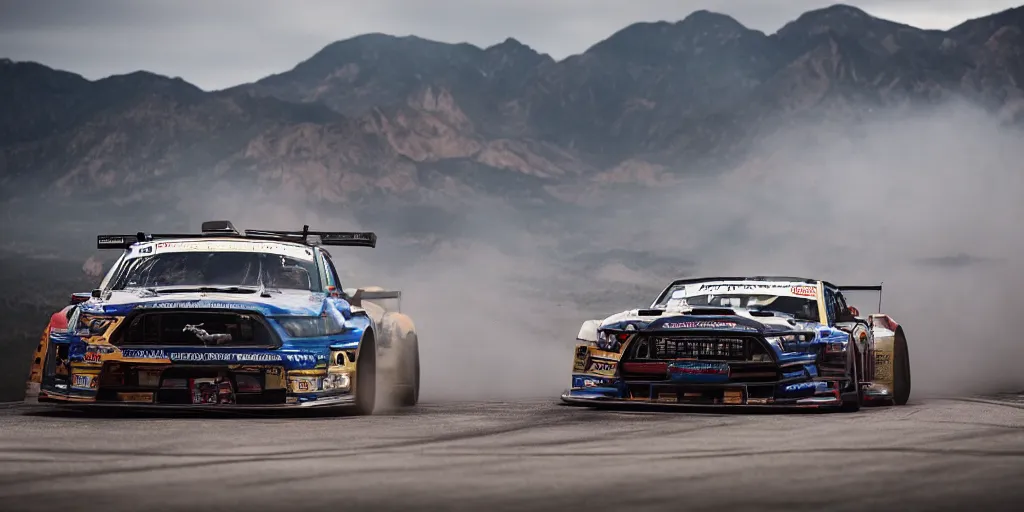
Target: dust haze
<point x="926" y="201"/>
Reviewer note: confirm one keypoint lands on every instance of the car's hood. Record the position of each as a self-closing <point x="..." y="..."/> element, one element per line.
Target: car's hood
<point x="724" y="318"/>
<point x="286" y="302"/>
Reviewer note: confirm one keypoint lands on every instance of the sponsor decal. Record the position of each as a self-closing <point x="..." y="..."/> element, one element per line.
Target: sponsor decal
<point x="804" y="291"/>
<point x="580" y="361"/>
<point x="301" y="358"/>
<point x="136" y="397"/>
<point x="80" y="381"/>
<point x="720" y="287"/>
<point x="305" y="384"/>
<point x="732" y="397"/>
<point x="697" y="368"/>
<point x="129" y="353"/>
<point x="194" y="357"/>
<point x="803" y="386"/>
<point x="199" y="304"/>
<point x="585" y="381"/>
<point x="700" y="324"/>
<point x="291" y="251"/>
<point x="883" y="366"/>
<point x="602" y="367"/>
<point x="698" y="371"/>
<point x="95" y="353"/>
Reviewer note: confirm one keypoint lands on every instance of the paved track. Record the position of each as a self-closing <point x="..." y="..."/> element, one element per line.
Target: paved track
<point x="936" y="455"/>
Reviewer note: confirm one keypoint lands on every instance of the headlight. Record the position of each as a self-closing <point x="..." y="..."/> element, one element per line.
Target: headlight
<point x="336" y="381"/>
<point x="791" y="342"/>
<point x="610" y="340"/>
<point x="92" y="325"/>
<point x="311" y="327"/>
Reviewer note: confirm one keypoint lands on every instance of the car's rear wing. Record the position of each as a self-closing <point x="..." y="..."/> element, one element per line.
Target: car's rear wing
<point x="223" y="228"/>
<point x="865" y="288"/>
<point x="356" y="296"/>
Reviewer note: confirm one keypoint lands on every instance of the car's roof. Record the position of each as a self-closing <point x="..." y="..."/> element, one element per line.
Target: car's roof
<point x="791" y="279"/>
<point x="221" y="239"/>
<point x="221" y="244"/>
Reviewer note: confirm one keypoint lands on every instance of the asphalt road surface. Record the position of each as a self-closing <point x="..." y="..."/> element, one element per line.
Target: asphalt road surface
<point x="932" y="455"/>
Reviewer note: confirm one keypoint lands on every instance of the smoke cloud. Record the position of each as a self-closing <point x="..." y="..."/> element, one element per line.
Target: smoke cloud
<point x="926" y="201"/>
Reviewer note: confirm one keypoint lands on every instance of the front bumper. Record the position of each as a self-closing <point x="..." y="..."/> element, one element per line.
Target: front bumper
<point x="343" y="401"/>
<point x="582" y="397"/>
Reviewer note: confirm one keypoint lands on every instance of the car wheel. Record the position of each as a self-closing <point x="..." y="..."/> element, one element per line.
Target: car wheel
<point x="409" y="395"/>
<point x="900" y="369"/>
<point x="366" y="378"/>
<point x="852" y="398"/>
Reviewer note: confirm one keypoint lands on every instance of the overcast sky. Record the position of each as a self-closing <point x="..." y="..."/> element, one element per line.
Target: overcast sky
<point x="220" y="43"/>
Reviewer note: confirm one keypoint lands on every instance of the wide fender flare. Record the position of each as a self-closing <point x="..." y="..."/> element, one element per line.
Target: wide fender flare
<point x="396" y="329"/>
<point x="883" y="329"/>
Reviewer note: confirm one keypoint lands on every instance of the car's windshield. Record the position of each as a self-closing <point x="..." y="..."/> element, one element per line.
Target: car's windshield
<point x="218" y="269"/>
<point x="802" y="308"/>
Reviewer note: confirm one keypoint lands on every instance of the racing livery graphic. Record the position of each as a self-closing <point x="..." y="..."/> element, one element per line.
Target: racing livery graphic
<point x="743" y="341"/>
<point x="222" y="319"/>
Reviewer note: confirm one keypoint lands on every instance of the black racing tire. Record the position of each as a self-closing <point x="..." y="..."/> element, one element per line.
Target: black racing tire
<point x="409" y="395"/>
<point x="366" y="377"/>
<point x="852" y="398"/>
<point x="900" y="369"/>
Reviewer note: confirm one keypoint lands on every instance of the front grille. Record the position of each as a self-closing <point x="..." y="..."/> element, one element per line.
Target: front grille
<point x="699" y="347"/>
<point x="195" y="327"/>
<point x="664" y="347"/>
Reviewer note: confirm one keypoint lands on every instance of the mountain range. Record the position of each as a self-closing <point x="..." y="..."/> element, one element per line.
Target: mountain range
<point x="377" y="117"/>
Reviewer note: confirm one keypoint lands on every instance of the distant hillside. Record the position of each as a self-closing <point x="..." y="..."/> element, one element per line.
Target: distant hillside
<point x="378" y="118"/>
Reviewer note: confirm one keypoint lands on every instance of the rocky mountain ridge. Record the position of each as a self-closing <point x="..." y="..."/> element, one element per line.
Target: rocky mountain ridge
<point x="379" y="117"/>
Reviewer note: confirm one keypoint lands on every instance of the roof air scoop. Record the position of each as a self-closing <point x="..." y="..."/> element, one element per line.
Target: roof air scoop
<point x="219" y="226"/>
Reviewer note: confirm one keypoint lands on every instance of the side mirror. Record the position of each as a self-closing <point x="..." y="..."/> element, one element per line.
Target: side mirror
<point x="854" y="311"/>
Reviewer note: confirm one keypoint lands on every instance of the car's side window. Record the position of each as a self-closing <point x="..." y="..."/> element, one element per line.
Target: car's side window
<point x="830" y="306"/>
<point x="331" y="273"/>
<point x="842" y="310"/>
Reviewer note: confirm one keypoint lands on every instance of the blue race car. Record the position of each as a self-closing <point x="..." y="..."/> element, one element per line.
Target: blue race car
<point x="743" y="341"/>
<point x="227" y="320"/>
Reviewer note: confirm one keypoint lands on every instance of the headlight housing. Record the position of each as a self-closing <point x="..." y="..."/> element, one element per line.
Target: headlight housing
<point x="611" y="340"/>
<point x="92" y="325"/>
<point x="799" y="342"/>
<point x="336" y="381"/>
<point x="311" y="326"/>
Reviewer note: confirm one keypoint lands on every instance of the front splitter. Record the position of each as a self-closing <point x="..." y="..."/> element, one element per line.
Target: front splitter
<point x="605" y="402"/>
<point x="323" y="403"/>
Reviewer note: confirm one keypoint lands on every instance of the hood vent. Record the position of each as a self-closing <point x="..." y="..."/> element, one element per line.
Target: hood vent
<point x="712" y="311"/>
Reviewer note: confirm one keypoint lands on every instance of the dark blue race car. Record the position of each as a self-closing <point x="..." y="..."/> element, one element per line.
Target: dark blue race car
<point x="743" y="341"/>
<point x="227" y="320"/>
